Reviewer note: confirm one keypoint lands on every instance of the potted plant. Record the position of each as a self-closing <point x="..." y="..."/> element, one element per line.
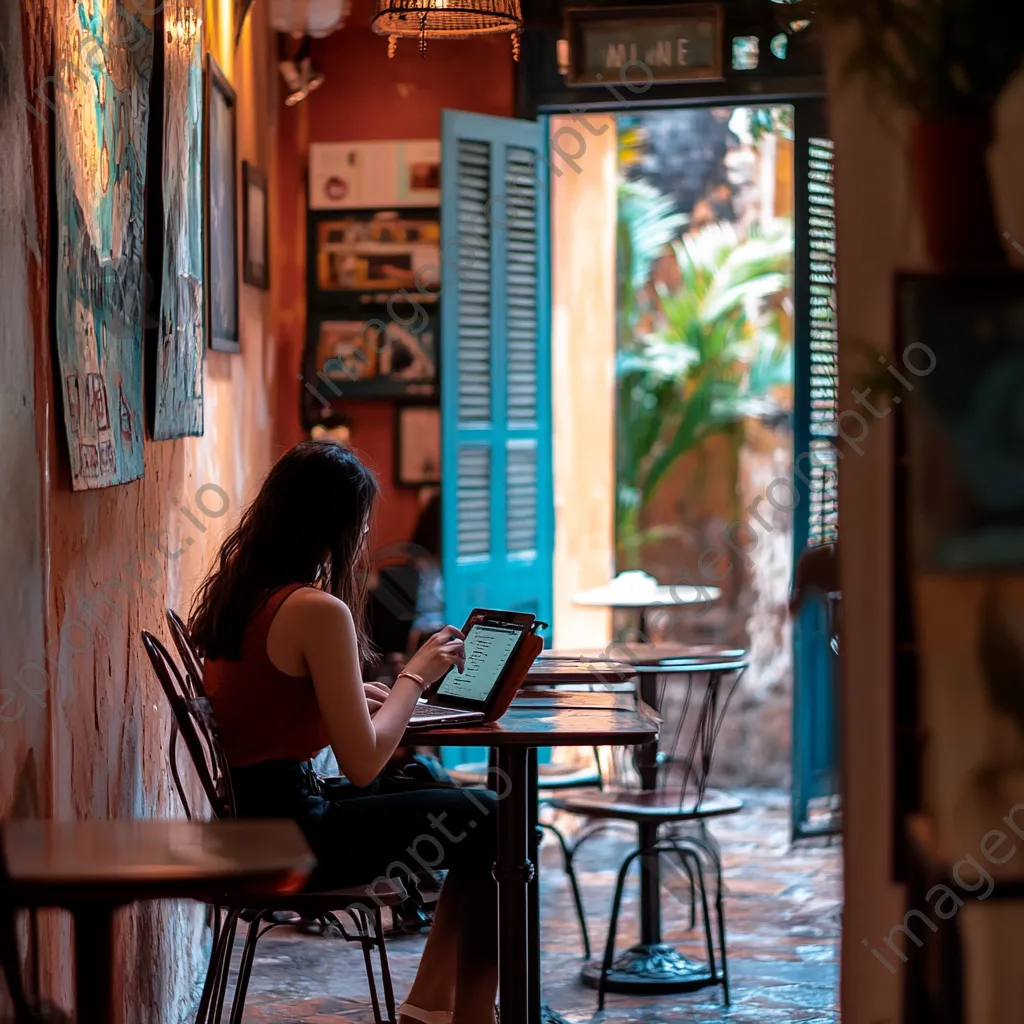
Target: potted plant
<point x="948" y="61"/>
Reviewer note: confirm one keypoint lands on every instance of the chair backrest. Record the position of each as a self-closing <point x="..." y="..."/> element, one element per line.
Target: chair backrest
<point x="193" y="719"/>
<point x="693" y="700"/>
<point x="193" y="667"/>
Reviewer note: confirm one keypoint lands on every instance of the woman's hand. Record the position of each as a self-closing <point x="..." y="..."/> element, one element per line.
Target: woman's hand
<point x="445" y="648"/>
<point x="376" y="694"/>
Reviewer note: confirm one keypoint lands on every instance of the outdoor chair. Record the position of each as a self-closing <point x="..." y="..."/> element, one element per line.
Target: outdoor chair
<point x="551" y="779"/>
<point x="193" y="720"/>
<point x="671" y="804"/>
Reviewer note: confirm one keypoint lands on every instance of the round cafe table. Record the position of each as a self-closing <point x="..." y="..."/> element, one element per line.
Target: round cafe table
<point x="635" y="589"/>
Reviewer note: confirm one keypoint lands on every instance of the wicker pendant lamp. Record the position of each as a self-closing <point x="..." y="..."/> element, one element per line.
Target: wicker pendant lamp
<point x="446" y="19"/>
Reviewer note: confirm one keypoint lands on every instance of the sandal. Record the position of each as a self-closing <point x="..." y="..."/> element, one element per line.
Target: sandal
<point x="424" y="1016"/>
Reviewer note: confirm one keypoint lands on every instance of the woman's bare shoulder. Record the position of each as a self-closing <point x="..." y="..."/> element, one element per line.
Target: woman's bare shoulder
<point x="316" y="603"/>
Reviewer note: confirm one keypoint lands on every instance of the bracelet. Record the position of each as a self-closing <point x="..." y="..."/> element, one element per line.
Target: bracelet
<point x="418" y="680"/>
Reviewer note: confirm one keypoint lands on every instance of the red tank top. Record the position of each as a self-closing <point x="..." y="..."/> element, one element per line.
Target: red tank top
<point x="262" y="713"/>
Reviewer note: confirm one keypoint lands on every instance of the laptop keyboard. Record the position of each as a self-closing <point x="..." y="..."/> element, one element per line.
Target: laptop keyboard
<point x="432" y="710"/>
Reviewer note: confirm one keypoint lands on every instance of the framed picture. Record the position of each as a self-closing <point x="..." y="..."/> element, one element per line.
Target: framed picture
<point x="221" y="211"/>
<point x="960" y="367"/>
<point x="255" y="266"/>
<point x="371" y="175"/>
<point x="380" y="252"/>
<point x="418" y="443"/>
<point x="347" y="350"/>
<point x="375" y="349"/>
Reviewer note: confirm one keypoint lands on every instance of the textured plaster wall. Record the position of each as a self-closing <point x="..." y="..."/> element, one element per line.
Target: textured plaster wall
<point x="93" y="569"/>
<point x="22" y="745"/>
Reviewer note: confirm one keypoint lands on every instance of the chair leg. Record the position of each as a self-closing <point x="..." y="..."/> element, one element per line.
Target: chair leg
<point x="693" y="891"/>
<point x="720" y="910"/>
<point x="570" y="870"/>
<point x="245" y="969"/>
<point x="613" y="926"/>
<point x="367" y="943"/>
<point x="709" y="941"/>
<point x="227" y="939"/>
<point x="708" y="844"/>
<point x="211" y="1005"/>
<point x="212" y="971"/>
<point x="385" y="968"/>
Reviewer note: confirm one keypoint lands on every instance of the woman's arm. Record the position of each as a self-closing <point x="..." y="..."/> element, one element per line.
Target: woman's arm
<point x="317" y="628"/>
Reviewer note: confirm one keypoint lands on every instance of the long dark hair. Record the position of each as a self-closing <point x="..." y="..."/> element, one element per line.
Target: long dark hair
<point x="306" y="525"/>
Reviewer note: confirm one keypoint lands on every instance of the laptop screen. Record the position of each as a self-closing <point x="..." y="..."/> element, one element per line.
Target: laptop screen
<point x="488" y="649"/>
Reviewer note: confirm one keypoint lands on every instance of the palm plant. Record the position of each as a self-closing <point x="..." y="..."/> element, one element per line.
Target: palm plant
<point x="719" y="352"/>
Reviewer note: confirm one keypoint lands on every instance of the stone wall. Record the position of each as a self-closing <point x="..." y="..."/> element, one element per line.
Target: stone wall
<point x="754" y="746"/>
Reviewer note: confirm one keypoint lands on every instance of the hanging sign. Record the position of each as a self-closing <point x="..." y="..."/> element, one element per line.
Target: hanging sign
<point x="608" y="46"/>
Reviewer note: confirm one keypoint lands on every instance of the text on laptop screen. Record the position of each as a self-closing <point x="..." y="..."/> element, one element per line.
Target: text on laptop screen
<point x="488" y="649"/>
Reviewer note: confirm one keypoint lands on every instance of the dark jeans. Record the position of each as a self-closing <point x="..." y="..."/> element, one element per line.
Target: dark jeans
<point x="361" y="835"/>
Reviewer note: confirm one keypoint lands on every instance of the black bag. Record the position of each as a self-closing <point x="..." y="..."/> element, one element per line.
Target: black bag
<point x="420" y="771"/>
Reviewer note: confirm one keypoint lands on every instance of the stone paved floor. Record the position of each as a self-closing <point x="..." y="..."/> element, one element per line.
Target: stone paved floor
<point x="782" y="912"/>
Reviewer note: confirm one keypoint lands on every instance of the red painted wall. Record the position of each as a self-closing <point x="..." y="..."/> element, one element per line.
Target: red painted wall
<point x="368" y="97"/>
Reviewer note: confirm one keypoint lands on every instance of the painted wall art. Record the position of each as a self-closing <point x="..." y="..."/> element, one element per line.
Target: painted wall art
<point x="256" y="265"/>
<point x="105" y="61"/>
<point x="222" y="212"/>
<point x="181" y="341"/>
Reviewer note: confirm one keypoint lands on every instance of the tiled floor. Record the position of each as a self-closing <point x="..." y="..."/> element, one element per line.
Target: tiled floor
<point x="782" y="912"/>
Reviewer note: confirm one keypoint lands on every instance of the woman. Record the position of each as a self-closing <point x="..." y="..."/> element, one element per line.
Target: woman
<point x="278" y="621"/>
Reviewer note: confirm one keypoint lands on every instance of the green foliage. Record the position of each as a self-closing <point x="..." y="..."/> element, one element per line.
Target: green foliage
<point x="715" y="358"/>
<point x="937" y="57"/>
<point x="771" y="121"/>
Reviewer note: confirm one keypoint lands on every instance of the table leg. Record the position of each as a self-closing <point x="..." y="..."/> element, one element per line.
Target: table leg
<point x="513" y="873"/>
<point x="94" y="963"/>
<point x="533" y="812"/>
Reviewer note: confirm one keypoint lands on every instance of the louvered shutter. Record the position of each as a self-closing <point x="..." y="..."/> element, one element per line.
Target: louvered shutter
<point x="815" y="520"/>
<point x="823" y="511"/>
<point x="497" y="492"/>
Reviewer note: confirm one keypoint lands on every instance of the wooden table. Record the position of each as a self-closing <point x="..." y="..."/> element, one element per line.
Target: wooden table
<point x="536" y="722"/>
<point x="94" y="867"/>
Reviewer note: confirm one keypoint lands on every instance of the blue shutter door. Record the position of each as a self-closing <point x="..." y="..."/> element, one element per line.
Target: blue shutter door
<point x="497" y="490"/>
<point x="815" y="733"/>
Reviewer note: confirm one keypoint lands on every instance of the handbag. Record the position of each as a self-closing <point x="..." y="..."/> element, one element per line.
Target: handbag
<point x="418" y="771"/>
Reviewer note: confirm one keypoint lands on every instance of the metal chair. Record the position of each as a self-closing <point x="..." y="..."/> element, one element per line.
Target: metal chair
<point x="549" y="783"/>
<point x="193" y="720"/>
<point x="672" y="805"/>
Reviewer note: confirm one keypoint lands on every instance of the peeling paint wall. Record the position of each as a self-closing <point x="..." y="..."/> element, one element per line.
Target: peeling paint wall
<point x="92" y="569"/>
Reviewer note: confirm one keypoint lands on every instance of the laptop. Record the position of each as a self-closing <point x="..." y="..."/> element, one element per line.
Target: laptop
<point x="493" y="639"/>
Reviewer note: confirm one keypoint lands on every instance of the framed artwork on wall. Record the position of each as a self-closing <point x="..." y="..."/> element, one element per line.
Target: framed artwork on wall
<point x="961" y="344"/>
<point x="255" y="245"/>
<point x="221" y="211"/>
<point x="176" y="165"/>
<point x="101" y="138"/>
<point x="418" y="445"/>
<point x="382" y="252"/>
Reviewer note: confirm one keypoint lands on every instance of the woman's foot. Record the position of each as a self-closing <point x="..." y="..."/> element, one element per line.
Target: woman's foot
<point x="414" y="1015"/>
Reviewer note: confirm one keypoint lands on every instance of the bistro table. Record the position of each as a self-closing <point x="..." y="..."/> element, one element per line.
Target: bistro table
<point x="651" y="966"/>
<point x="635" y="589"/>
<point x="92" y="868"/>
<point x="531" y="722"/>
